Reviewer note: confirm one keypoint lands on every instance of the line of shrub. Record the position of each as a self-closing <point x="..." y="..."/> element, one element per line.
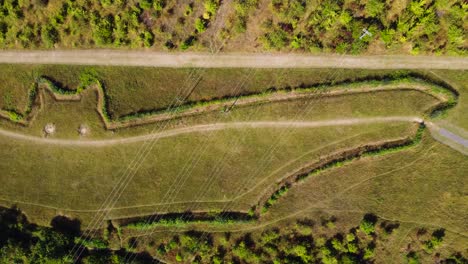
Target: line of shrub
<point x="186" y="218"/>
<point x="275" y="197"/>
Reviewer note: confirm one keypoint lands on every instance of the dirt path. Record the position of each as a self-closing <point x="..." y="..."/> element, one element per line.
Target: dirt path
<point x="235" y="60"/>
<point x="209" y="127"/>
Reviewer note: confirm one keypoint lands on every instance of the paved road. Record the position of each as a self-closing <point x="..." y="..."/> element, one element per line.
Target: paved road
<point x="455" y="141"/>
<point x="235" y="60"/>
<point x="451" y="136"/>
<point x="209" y="127"/>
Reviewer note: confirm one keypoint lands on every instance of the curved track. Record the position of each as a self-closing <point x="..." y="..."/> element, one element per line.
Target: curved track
<point x="209" y="127"/>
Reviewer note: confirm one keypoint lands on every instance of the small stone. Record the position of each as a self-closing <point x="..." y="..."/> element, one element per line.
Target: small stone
<point x="83" y="130"/>
<point x="49" y="128"/>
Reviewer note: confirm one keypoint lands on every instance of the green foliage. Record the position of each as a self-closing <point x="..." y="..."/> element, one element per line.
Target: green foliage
<point x="102" y="29"/>
<point x="15" y="117"/>
<point x="298" y="42"/>
<point x="412" y="258"/>
<point x="158" y="5"/>
<point x="23" y="242"/>
<point x="187" y="43"/>
<point x="242" y="10"/>
<point x="350" y="237"/>
<point x="276" y="39"/>
<point x="275" y="196"/>
<point x="92" y="243"/>
<point x="188" y="10"/>
<point x="211" y="6"/>
<point x="200" y="25"/>
<point x="148" y="38"/>
<point x="302" y="252"/>
<point x="337" y="245"/>
<point x="367" y="226"/>
<point x="435" y="241"/>
<point x="146" y="4"/>
<point x="369" y="252"/>
<point x="290" y="12"/>
<point x="20" y="241"/>
<point x="244" y="253"/>
<point x="375" y="8"/>
<point x="387" y="36"/>
<point x="87" y="78"/>
<point x="49" y="36"/>
<point x="427" y="26"/>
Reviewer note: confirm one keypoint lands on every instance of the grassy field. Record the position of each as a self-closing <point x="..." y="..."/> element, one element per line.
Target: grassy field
<point x="420" y="187"/>
<point x="136" y="89"/>
<point x="88" y="169"/>
<point x="133" y="89"/>
<point x="397" y="188"/>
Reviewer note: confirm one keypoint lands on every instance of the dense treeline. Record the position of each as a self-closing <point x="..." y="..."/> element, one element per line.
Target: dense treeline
<point x="414" y="26"/>
<point x="24" y="242"/>
<point x="297" y="242"/>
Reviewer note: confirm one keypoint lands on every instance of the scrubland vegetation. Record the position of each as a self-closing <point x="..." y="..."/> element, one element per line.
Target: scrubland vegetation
<point x="304" y="240"/>
<point x="416" y="26"/>
<point x="419" y="26"/>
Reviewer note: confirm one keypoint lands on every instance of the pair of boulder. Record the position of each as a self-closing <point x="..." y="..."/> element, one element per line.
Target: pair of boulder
<point x="50" y="129"/>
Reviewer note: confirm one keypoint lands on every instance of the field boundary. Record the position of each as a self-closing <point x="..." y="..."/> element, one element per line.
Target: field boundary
<point x="441" y="91"/>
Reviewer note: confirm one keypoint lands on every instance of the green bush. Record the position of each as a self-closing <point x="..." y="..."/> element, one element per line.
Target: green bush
<point x="435" y="241"/>
<point x="367" y="226"/>
<point x="211" y="6"/>
<point x="374" y="8"/>
<point x="187" y="43"/>
<point x="146" y="4"/>
<point x="102" y="29"/>
<point x="148" y="38"/>
<point x="200" y="25"/>
<point x="242" y="9"/>
<point x="276" y="39"/>
<point x="158" y="5"/>
<point x="49" y="35"/>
